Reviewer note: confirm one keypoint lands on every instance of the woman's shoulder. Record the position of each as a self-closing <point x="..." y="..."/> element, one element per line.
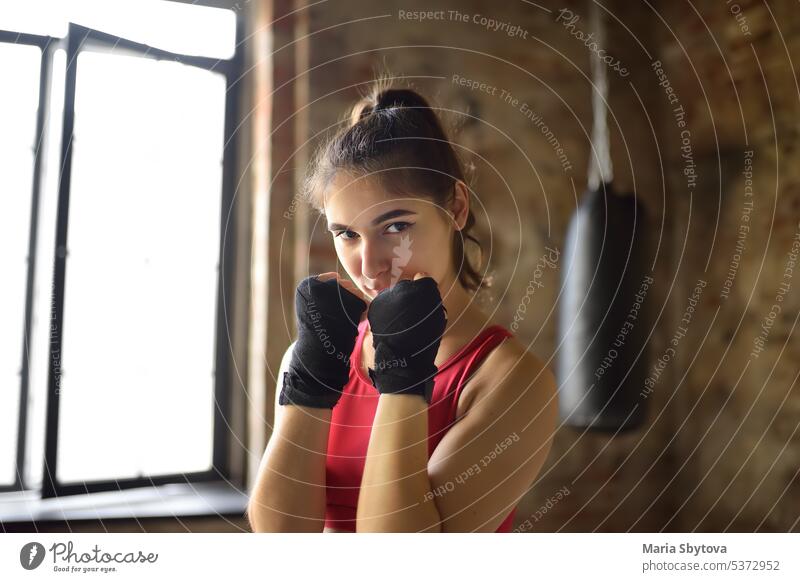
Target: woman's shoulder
<point x="510" y="365"/>
<point x="508" y="347"/>
<point x="510" y="356"/>
<point x="479" y="324"/>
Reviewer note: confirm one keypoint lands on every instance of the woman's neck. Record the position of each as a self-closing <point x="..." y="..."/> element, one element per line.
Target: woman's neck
<point x="457" y="301"/>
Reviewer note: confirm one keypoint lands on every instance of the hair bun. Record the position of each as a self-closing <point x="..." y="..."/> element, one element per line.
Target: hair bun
<point x="389" y="98"/>
<point x="385" y="99"/>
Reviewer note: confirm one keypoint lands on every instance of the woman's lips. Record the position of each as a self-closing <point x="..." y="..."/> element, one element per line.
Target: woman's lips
<point x="376" y="290"/>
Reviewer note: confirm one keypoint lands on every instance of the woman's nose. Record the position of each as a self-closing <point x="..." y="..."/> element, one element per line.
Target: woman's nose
<point x="376" y="259"/>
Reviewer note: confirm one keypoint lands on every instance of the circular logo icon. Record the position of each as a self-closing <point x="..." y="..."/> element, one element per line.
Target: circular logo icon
<point x="31" y="555"/>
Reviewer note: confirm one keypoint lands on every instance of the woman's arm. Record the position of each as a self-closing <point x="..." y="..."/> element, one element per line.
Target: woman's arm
<point x="395" y="484"/>
<point x="289" y="493"/>
<point x="482" y="466"/>
<point x="407" y="322"/>
<point x="492" y="456"/>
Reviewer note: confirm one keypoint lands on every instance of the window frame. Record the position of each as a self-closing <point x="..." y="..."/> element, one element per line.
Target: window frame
<point x="82" y="38"/>
<point x="45" y="44"/>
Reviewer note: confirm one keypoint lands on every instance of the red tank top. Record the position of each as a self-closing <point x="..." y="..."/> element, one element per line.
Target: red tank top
<point x="351" y="422"/>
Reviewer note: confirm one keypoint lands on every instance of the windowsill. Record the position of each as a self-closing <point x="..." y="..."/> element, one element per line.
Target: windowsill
<point x="173" y="500"/>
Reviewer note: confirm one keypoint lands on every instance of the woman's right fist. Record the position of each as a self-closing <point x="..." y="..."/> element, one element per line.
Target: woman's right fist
<point x="327" y="315"/>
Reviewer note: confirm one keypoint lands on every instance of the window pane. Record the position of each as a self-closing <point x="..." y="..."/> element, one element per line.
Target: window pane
<point x="140" y="297"/>
<point x="181" y="27"/>
<point x="19" y="102"/>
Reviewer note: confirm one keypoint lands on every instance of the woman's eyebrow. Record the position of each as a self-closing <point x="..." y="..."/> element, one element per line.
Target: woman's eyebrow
<point x="385" y="216"/>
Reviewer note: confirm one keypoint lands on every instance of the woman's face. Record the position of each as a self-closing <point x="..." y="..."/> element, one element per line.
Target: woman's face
<point x="381" y="239"/>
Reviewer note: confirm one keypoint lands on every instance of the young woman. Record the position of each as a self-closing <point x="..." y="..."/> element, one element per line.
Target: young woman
<point x="400" y="407"/>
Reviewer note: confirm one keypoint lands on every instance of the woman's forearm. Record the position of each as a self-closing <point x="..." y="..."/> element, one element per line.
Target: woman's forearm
<point x="395" y="481"/>
<point x="289" y="493"/>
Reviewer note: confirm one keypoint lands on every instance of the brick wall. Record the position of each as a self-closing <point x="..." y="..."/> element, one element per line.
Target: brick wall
<point x="721" y="447"/>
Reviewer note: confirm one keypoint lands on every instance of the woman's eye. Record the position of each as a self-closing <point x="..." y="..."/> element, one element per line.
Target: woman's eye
<point x="346" y="234"/>
<point x="341" y="232"/>
<point x="404" y="224"/>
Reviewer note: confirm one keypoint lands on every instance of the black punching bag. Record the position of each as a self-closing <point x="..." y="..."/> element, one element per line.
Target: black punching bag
<point x="603" y="324"/>
<point x="603" y="320"/>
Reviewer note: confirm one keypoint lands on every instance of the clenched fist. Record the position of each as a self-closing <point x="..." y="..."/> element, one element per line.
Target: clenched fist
<point x="407" y="323"/>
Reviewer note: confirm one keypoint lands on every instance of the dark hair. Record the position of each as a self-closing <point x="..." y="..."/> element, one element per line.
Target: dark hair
<point x="394" y="136"/>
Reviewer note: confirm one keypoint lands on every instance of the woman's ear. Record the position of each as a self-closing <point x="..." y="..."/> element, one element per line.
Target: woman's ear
<point x="460" y="205"/>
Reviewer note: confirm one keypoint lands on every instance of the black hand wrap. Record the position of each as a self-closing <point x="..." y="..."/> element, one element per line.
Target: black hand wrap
<point x="407" y="323"/>
<point x="327" y="328"/>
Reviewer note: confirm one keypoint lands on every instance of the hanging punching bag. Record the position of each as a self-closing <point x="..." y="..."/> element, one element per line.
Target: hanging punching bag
<point x="603" y="321"/>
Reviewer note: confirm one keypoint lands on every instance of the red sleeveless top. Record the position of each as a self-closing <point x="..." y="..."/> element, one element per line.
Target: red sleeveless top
<point x="351" y="422"/>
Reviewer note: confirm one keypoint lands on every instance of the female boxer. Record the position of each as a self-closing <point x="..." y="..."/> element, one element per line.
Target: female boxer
<point x="400" y="407"/>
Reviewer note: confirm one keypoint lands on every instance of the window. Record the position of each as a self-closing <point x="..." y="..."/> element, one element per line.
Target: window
<point x="116" y="169"/>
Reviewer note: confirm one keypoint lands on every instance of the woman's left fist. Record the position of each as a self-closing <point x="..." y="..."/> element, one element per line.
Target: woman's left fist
<point x="407" y="323"/>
